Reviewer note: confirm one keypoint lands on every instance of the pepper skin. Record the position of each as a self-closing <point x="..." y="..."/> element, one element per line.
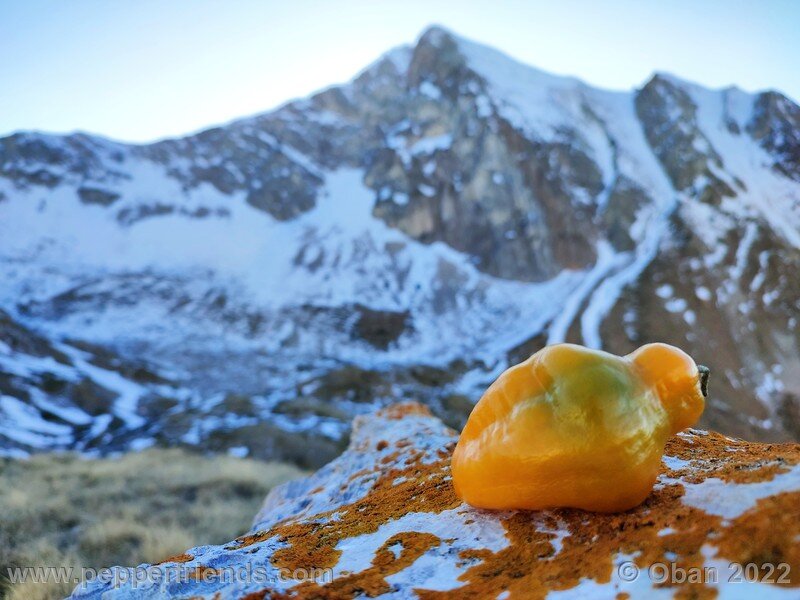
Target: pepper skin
<point x="574" y="427"/>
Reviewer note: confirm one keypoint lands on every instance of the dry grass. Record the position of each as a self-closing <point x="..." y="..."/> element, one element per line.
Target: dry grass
<point x="62" y="510"/>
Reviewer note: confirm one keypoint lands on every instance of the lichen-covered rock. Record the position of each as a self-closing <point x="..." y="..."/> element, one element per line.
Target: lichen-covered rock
<point x="382" y="519"/>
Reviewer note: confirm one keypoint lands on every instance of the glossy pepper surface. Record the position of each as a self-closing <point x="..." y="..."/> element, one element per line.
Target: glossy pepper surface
<point x="574" y="427"/>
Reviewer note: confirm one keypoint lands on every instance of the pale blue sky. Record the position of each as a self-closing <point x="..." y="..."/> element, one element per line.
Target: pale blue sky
<point x="143" y="69"/>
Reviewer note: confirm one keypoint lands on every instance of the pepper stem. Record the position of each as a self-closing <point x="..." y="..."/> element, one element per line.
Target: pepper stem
<point x="704" y="373"/>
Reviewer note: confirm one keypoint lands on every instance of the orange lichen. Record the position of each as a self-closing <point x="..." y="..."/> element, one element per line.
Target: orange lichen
<point x="530" y="568"/>
<point x="574" y="427"/>
<point x="358" y="474"/>
<point x="249" y="539"/>
<point x="180" y="558"/>
<point x="410" y="486"/>
<point x="203" y="573"/>
<point x="711" y="456"/>
<point x="405" y="409"/>
<point x="313" y="544"/>
<point x="371" y="582"/>
<point x="766" y="535"/>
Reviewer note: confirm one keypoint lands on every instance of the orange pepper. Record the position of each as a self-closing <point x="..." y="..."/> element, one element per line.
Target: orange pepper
<point x="574" y="427"/>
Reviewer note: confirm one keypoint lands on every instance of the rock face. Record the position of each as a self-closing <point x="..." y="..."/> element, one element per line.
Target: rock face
<point x="384" y="521"/>
<point x="448" y="210"/>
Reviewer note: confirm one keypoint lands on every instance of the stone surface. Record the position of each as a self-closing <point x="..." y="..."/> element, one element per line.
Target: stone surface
<point x="384" y="520"/>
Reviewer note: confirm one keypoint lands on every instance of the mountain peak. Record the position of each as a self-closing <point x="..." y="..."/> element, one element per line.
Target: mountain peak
<point x="435" y="35"/>
<point x="431" y="41"/>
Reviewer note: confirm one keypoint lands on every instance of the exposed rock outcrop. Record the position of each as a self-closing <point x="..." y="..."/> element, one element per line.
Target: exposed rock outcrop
<point x="776" y="125"/>
<point x="382" y="520"/>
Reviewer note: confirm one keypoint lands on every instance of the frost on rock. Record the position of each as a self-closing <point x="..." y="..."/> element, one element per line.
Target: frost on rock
<point x="383" y="520"/>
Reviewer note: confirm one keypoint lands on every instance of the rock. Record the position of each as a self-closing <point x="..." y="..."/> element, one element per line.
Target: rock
<point x="510" y="202"/>
<point x="382" y="519"/>
<point x="380" y="327"/>
<point x="776" y="125"/>
<point x="669" y="118"/>
<point x="90" y="195"/>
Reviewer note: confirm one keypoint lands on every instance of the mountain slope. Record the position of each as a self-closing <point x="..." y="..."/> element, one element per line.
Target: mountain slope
<point x="410" y="233"/>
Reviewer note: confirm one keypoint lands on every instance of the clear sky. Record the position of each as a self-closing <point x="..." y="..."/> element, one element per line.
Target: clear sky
<point x="142" y="69"/>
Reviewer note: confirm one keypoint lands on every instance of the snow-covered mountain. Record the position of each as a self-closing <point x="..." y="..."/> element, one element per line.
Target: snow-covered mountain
<point x="404" y="235"/>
